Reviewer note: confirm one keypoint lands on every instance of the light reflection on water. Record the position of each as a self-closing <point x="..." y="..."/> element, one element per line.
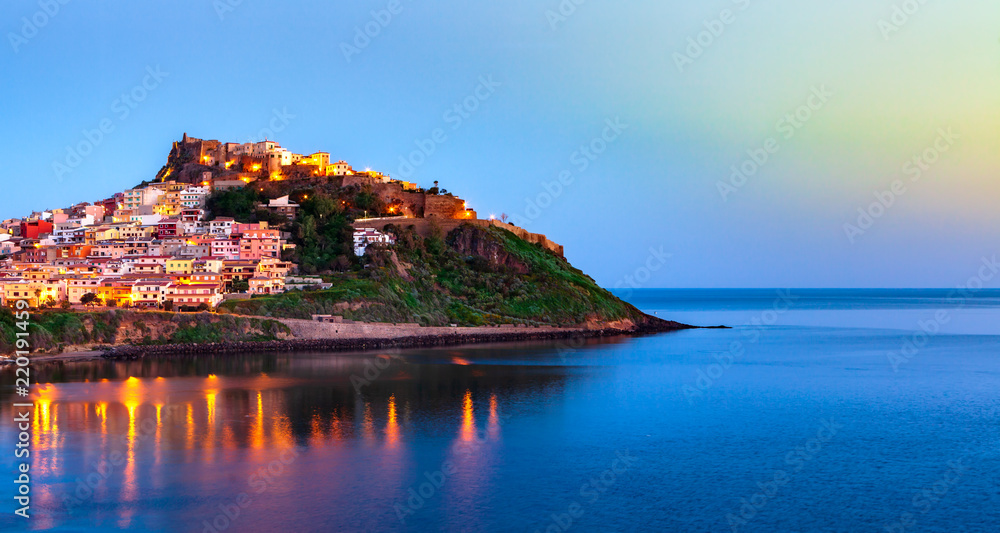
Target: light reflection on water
<point x="499" y="438"/>
<point x="119" y="435"/>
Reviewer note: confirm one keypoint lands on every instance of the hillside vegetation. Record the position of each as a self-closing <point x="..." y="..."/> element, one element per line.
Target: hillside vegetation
<point x="54" y="331"/>
<point x="472" y="276"/>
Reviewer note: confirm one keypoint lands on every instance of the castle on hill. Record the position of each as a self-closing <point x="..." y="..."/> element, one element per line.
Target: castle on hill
<point x="221" y="165"/>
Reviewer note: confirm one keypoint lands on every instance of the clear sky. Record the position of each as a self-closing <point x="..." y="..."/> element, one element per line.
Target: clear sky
<point x="533" y="86"/>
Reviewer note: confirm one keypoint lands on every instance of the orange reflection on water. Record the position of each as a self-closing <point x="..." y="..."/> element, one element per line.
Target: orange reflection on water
<point x="368" y="424"/>
<point x="131" y="398"/>
<point x="129" y="489"/>
<point x="392" y="426"/>
<point x="102" y="411"/>
<point x="210" y="405"/>
<point x="493" y="429"/>
<point x="336" y="429"/>
<point x="468" y="432"/>
<point x="40" y="421"/>
<point x="257" y="429"/>
<point x="132" y="393"/>
<point x="189" y="420"/>
<point x="316" y="436"/>
<point x="158" y="439"/>
<point x="281" y="433"/>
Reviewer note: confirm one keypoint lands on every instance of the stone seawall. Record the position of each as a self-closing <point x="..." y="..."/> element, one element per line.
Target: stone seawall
<point x="327" y="337"/>
<point x="130" y="352"/>
<point x="312" y="330"/>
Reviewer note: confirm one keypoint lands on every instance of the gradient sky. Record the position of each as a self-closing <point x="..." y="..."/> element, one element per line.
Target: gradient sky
<point x="656" y="186"/>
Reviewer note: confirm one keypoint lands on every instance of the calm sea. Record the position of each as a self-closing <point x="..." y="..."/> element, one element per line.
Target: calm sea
<point x="821" y="411"/>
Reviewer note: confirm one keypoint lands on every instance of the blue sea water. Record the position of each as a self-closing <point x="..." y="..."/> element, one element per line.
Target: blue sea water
<point x="821" y="411"/>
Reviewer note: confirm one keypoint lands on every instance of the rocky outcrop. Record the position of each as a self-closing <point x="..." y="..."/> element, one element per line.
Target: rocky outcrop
<point x="472" y="241"/>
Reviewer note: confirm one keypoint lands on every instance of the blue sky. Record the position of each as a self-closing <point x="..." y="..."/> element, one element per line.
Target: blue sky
<point x="663" y="179"/>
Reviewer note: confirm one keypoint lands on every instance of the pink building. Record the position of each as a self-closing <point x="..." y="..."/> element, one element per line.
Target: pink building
<point x="259" y="243"/>
<point x="226" y="248"/>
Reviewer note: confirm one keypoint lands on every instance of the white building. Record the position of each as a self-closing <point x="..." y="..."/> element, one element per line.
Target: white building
<point x="340" y="168"/>
<point x="194" y="197"/>
<point x="365" y="236"/>
<point x="133" y="198"/>
<point x="221" y="226"/>
<point x="264" y="148"/>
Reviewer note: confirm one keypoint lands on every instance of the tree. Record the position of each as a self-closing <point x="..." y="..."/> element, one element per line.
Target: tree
<point x="504" y="217"/>
<point x="203" y="307"/>
<point x="88" y="299"/>
<point x="112" y="302"/>
<point x="240" y="204"/>
<point x="168" y="305"/>
<point x="65" y="304"/>
<point x="322" y="232"/>
<point x="240" y="285"/>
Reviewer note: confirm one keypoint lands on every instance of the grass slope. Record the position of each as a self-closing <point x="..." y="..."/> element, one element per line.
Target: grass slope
<point x="475" y="276"/>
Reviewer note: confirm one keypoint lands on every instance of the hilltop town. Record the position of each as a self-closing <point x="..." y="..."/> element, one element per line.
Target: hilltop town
<point x="176" y="243"/>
